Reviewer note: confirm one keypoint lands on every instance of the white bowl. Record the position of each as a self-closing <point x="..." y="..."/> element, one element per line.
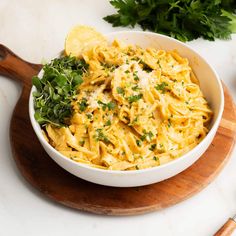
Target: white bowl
<point x="211" y="87"/>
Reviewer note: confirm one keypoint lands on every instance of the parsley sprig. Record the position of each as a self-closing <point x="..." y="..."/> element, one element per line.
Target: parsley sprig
<point x="56" y="90"/>
<point x="162" y="87"/>
<point x="100" y="136"/>
<point x="134" y="98"/>
<point x="110" y="105"/>
<point x="182" y="19"/>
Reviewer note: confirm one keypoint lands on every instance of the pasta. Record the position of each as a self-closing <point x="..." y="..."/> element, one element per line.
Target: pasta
<point x="137" y="108"/>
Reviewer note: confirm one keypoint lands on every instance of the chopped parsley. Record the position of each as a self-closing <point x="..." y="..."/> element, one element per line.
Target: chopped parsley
<point x="83" y="104"/>
<point x="134" y="98"/>
<point x="108" y="123"/>
<point x="136" y="78"/>
<point x="162" y="86"/>
<point x="100" y="136"/>
<point x="155" y="158"/>
<point x="110" y="105"/>
<point x="89" y="116"/>
<point x="120" y="90"/>
<point x="81" y="142"/>
<point x="158" y="62"/>
<point x="169" y="123"/>
<point x="138" y="142"/>
<point x="152" y="147"/>
<point x="135" y="88"/>
<point x="135" y="120"/>
<point x="109" y="67"/>
<point x="146" y="67"/>
<point x="147" y="136"/>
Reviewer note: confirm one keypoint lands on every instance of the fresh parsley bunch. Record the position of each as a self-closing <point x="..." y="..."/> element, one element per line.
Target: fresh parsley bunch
<point x="56" y="90"/>
<point x="184" y="20"/>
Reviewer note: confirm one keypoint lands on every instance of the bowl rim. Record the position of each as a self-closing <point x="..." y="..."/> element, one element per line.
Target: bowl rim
<point x="215" y="125"/>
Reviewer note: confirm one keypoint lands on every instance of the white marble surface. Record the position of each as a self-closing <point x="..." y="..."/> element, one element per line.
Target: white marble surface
<point x="35" y="29"/>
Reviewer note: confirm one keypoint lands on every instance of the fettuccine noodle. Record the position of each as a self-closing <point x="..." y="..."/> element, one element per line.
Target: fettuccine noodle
<point x="137" y="108"/>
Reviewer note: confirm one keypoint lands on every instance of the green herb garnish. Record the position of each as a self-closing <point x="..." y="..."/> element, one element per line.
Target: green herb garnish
<point x="134" y="98"/>
<point x="83" y="104"/>
<point x="135" y="88"/>
<point x="152" y="147"/>
<point x="56" y="90"/>
<point x="110" y="105"/>
<point x="136" y="78"/>
<point x="138" y="142"/>
<point x="169" y="122"/>
<point x="100" y="136"/>
<point x="162" y="86"/>
<point x="81" y="142"/>
<point x="108" y="123"/>
<point x="120" y="91"/>
<point x="145" y="66"/>
<point x="147" y="136"/>
<point x="89" y="116"/>
<point x="184" y="20"/>
<point x="134" y="121"/>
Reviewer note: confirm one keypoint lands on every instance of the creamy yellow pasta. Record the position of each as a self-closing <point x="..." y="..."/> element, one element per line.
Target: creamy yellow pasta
<point x="137" y="108"/>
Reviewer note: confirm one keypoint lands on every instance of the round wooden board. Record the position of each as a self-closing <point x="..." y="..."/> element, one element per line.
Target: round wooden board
<point x="54" y="182"/>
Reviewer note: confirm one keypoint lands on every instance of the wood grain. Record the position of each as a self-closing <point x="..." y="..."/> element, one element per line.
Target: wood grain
<point x="227" y="229"/>
<point x="54" y="182"/>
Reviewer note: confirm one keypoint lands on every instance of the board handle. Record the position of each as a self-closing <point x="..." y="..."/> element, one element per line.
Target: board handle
<point x="227" y="229"/>
<point x="16" y="68"/>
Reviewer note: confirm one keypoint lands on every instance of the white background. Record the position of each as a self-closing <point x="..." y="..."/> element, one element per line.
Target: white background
<point x="36" y="29"/>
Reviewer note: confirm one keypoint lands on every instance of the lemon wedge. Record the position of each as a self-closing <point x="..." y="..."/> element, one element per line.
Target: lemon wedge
<point x="82" y="38"/>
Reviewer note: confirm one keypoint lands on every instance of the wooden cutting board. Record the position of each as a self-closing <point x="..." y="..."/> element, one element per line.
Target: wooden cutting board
<point x="54" y="182"/>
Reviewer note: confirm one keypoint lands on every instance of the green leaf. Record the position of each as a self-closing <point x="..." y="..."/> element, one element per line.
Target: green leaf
<point x="110" y="105"/>
<point x="60" y="80"/>
<point x="162" y="86"/>
<point x="56" y="90"/>
<point x="36" y="82"/>
<point x="120" y="91"/>
<point x="134" y="98"/>
<point x="83" y="104"/>
<point x="232" y="18"/>
<point x="182" y="19"/>
<point x="38" y="117"/>
<point x="139" y="143"/>
<point x="77" y="80"/>
<point x="152" y="147"/>
<point x="100" y="136"/>
<point x="136" y="78"/>
<point x="108" y="123"/>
